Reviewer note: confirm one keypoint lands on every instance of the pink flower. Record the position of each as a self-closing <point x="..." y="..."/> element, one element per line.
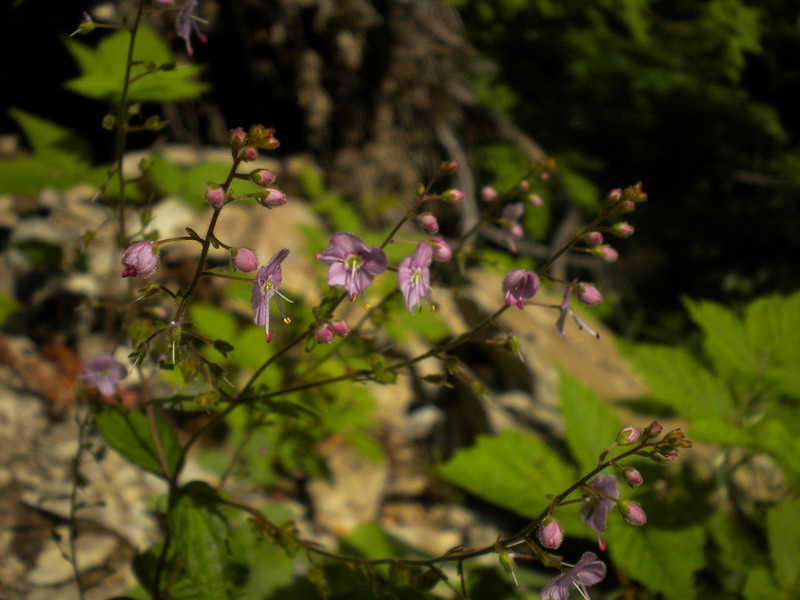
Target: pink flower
<point x="244" y="259"/>
<point x="550" y="533"/>
<point x="186" y="23"/>
<point x="520" y="285"/>
<point x="104" y="372"/>
<point x="140" y="259"/>
<point x="265" y="286"/>
<point x="633" y="513"/>
<point x="441" y="250"/>
<point x="587" y="571"/>
<point x="352" y="264"/>
<point x="325" y="334"/>
<point x="488" y="193"/>
<point x="340" y="328"/>
<point x="414" y="276"/>
<point x="566" y="309"/>
<point x="601" y="499"/>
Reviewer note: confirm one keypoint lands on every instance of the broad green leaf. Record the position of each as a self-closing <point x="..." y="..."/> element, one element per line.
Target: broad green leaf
<point x="8" y="306"/>
<point x="778" y="437"/>
<point x="513" y="470"/>
<point x="199" y="533"/>
<point x="52" y="142"/>
<point x="726" y="343"/>
<point x="213" y="322"/>
<point x="783" y="534"/>
<point x="737" y="551"/>
<point x="187" y="183"/>
<point x="371" y="541"/>
<point x="773" y="326"/>
<point x="103" y="70"/>
<point x="590" y="425"/>
<point x="717" y="431"/>
<point x="129" y="433"/>
<point x="760" y="586"/>
<point x="662" y="560"/>
<point x="681" y="382"/>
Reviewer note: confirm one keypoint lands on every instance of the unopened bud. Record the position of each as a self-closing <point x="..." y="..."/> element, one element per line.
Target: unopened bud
<point x="653" y="430"/>
<point x="524" y="186"/>
<point x="109" y="121"/>
<point x="250" y="153"/>
<point x="593" y="238"/>
<point x="605" y="253"/>
<point x="448" y="168"/>
<point x="628" y="435"/>
<point x="488" y="193"/>
<point x="428" y="223"/>
<point x="441" y="250"/>
<point x="536" y="200"/>
<point x="550" y="533"/>
<point x="325" y="334"/>
<point x="453" y="196"/>
<point x="272" y="198"/>
<point x="632" y="512"/>
<point x="244" y="259"/>
<point x="623" y="229"/>
<point x="632" y="477"/>
<point x="238" y="138"/>
<point x="215" y="196"/>
<point x="340" y="328"/>
<point x="262" y="177"/>
<point x="87" y="25"/>
<point x="589" y="295"/>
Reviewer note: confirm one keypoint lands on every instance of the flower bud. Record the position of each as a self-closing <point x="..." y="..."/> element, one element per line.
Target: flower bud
<point x="593" y="238"/>
<point x="262" y="177"/>
<point x="448" y="168"/>
<point x="215" y="196"/>
<point x="428" y="223"/>
<point x="488" y="194"/>
<point x="250" y="153"/>
<point x="623" y="229"/>
<point x="628" y="435"/>
<point x="340" y="328"/>
<point x="524" y="186"/>
<point x="516" y="230"/>
<point x="238" y="138"/>
<point x="653" y="430"/>
<point x="243" y="259"/>
<point x="272" y="198"/>
<point x="589" y="295"/>
<point x="87" y="25"/>
<point x="632" y="512"/>
<point x="441" y="250"/>
<point x="615" y="195"/>
<point x="453" y="196"/>
<point x="550" y="533"/>
<point x="536" y="200"/>
<point x="605" y="253"/>
<point x="325" y="334"/>
<point x="140" y="259"/>
<point x="632" y="477"/>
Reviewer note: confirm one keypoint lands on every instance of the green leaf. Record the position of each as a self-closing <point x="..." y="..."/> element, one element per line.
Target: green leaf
<point x="726" y="342"/>
<point x="778" y="437"/>
<point x="513" y="470"/>
<point x="662" y="560"/>
<point x="783" y="534"/>
<point x="737" y="551"/>
<point x="187" y="183"/>
<point x="129" y="434"/>
<point x="590" y="425"/>
<point x="103" y="70"/>
<point x="52" y="142"/>
<point x="8" y="306"/>
<point x="681" y="382"/>
<point x="760" y="586"/>
<point x="213" y="322"/>
<point x="199" y="533"/>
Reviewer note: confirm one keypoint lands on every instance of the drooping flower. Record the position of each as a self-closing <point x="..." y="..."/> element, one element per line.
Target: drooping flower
<point x="414" y="276"/>
<point x="104" y="372"/>
<point x="186" y="23"/>
<point x="520" y="285"/>
<point x="352" y="264"/>
<point x="601" y="499"/>
<point x="565" y="309"/>
<point x="265" y="286"/>
<point x="140" y="259"/>
<point x="587" y="571"/>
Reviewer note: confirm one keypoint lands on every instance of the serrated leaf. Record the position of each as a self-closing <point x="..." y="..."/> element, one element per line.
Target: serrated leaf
<point x="590" y="424"/>
<point x="783" y="535"/>
<point x="103" y="70"/>
<point x="726" y="343"/>
<point x="779" y="438"/>
<point x="681" y="382"/>
<point x="773" y="327"/>
<point x="52" y="142"/>
<point x="129" y="433"/>
<point x="662" y="560"/>
<point x="513" y="470"/>
<point x="199" y="533"/>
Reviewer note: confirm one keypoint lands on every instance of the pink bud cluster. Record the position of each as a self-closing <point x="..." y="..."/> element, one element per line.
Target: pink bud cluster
<point x="327" y="331"/>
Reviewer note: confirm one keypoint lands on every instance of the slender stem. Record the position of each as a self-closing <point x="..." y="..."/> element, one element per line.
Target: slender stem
<point x="73" y="500"/>
<point x="122" y="119"/>
<point x="226" y="276"/>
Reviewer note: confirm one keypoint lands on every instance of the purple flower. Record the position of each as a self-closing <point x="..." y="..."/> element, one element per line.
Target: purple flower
<point x="352" y="264"/>
<point x="104" y="372"/>
<point x="265" y="286"/>
<point x="587" y="571"/>
<point x="566" y="309"/>
<point x="595" y="511"/>
<point x="140" y="259"/>
<point x="186" y="22"/>
<point x="414" y="276"/>
<point x="520" y="285"/>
